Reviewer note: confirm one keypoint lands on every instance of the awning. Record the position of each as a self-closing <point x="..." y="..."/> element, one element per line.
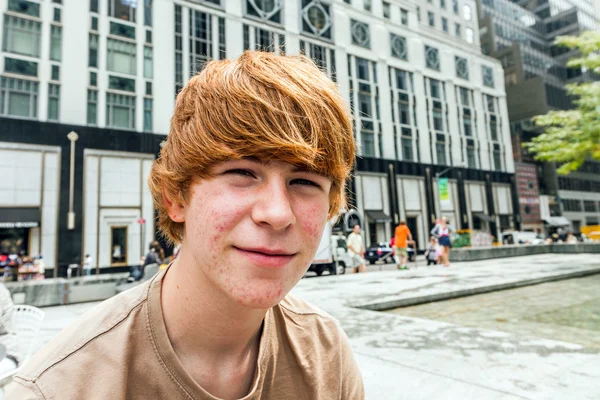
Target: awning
<point x="14" y="217"/>
<point x="484" y="217"/>
<point x="557" y="221"/>
<point x="378" y="216"/>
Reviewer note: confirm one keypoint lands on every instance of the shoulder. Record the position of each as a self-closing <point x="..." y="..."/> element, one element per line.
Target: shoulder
<point x="90" y="338"/>
<point x="328" y="350"/>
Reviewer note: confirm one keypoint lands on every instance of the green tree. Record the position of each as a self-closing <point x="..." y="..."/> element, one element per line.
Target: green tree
<point x="572" y="136"/>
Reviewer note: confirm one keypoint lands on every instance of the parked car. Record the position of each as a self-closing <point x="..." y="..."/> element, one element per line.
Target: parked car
<point x="384" y="252"/>
<point x="521" y="237"/>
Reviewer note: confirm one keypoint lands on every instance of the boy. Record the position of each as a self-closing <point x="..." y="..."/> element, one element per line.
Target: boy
<point x="255" y="163"/>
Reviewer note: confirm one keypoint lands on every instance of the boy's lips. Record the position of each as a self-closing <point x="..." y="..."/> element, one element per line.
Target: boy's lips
<point x="266" y="257"/>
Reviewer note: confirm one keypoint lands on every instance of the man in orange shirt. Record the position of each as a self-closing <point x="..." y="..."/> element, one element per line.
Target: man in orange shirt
<point x="400" y="244"/>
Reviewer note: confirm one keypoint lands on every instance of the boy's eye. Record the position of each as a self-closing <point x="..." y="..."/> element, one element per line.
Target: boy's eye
<point x="305" y="182"/>
<point x="239" y="171"/>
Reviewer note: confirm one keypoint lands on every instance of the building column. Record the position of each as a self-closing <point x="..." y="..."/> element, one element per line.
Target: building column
<point x="489" y="194"/>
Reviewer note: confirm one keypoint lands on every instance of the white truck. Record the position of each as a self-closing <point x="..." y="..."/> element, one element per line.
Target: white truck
<point x="332" y="254"/>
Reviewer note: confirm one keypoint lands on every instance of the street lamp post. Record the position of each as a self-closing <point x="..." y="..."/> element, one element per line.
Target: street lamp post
<point x="72" y="136"/>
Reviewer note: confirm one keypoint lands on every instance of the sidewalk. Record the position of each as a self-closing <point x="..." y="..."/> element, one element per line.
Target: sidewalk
<point x="410" y="358"/>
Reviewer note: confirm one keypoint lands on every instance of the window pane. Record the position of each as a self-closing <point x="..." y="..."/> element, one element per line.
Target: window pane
<point x="53" y="109"/>
<point x="21" y="36"/>
<point x="55" y="43"/>
<point x="368" y="144"/>
<point x="147" y="62"/>
<point x="19" y="104"/>
<point x="91" y="114"/>
<point x="120" y="117"/>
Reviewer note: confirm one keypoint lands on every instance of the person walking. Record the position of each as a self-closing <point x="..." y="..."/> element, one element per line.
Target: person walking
<point x="356" y="249"/>
<point x="402" y="236"/>
<point x="442" y="232"/>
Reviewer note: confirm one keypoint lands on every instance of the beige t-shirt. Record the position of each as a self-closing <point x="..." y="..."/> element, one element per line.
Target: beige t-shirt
<point x="120" y="350"/>
<point x="355" y="242"/>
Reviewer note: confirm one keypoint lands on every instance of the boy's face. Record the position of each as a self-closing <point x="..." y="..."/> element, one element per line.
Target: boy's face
<point x="253" y="228"/>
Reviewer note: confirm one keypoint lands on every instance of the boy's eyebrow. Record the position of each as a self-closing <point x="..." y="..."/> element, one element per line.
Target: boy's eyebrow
<point x="297" y="168"/>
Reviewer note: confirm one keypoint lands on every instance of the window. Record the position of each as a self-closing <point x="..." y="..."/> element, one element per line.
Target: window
<point x="93" y="51"/>
<point x="493" y="127"/>
<point x="497" y="158"/>
<point x="323" y="56"/>
<point x="18" y="97"/>
<point x="94" y="6"/>
<point x="490" y="103"/>
<point x="368" y="139"/>
<point x="147" y="62"/>
<point x="398" y="46"/>
<point x="467" y="125"/>
<point x="55" y="73"/>
<point x="118" y="83"/>
<point x="469" y="35"/>
<point x="148" y="12"/>
<point x="386" y="10"/>
<point x="444" y="24"/>
<point x="367" y="5"/>
<point x="316" y="19"/>
<point x="431" y="18"/>
<point x="471" y="160"/>
<point x="56" y="15"/>
<point x="121" y="57"/>
<point x="438" y="121"/>
<point x="467" y="12"/>
<point x="200" y="40"/>
<point x="94" y="24"/>
<point x="53" y="101"/>
<point x="120" y="111"/>
<point x="92" y="107"/>
<point x="589" y="205"/>
<point x="360" y="34"/>
<point x="55" y="42"/>
<point x="20" y="67"/>
<point x="464" y="97"/>
<point x="148" y="36"/>
<point x="434" y="89"/>
<point x="24" y="7"/>
<point x="118" y="251"/>
<point x="148" y="115"/>
<point x="457" y="30"/>
<point x="407" y="149"/>
<point x="488" y="76"/>
<point x="222" y="46"/>
<point x="440" y="150"/>
<point x="455" y="6"/>
<point x="93" y="79"/>
<point x="21" y="36"/>
<point x="149" y="88"/>
<point x="124" y="10"/>
<point x="403" y="16"/>
<point x="119" y="29"/>
<point x="443" y="4"/>
<point x="462" y="67"/>
<point x="268" y="10"/>
<point x="432" y="58"/>
<point x="418" y="13"/>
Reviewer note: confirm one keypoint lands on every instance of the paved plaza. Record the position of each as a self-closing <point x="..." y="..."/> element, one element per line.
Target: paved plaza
<point x="407" y="357"/>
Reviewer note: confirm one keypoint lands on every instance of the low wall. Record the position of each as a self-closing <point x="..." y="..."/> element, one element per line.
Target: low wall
<point x="60" y="291"/>
<point x="486" y="253"/>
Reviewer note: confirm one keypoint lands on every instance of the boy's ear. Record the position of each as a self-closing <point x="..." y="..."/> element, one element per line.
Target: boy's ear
<point x="175" y="210"/>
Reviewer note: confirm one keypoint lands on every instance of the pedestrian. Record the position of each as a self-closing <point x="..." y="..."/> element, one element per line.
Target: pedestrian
<point x="87" y="264"/>
<point x="442" y="232"/>
<point x="356" y="250"/>
<point x="432" y="252"/>
<point x="255" y="163"/>
<point x="402" y="235"/>
<point x="155" y="256"/>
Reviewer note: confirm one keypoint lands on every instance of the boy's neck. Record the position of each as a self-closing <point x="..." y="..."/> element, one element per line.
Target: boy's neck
<point x="207" y="330"/>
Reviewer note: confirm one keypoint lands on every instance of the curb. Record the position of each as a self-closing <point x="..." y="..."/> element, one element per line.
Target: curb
<point x="413" y="301"/>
